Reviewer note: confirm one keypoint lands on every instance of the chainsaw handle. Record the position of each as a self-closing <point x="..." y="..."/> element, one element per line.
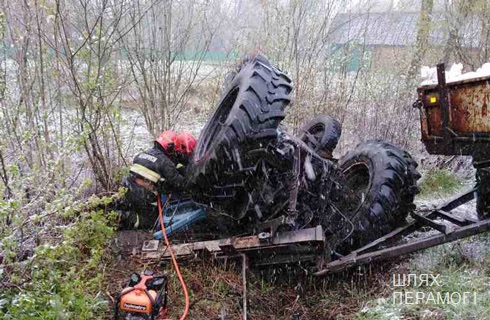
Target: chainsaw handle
<point x="142" y="284"/>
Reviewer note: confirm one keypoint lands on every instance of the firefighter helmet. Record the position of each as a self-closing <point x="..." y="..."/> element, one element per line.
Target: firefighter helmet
<point x="167" y="140"/>
<point x="185" y="143"/>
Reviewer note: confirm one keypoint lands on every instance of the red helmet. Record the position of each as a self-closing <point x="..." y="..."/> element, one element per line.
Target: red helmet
<point x="185" y="143"/>
<point x="167" y="139"/>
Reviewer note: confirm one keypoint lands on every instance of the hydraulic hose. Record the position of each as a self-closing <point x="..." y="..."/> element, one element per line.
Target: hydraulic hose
<point x="174" y="260"/>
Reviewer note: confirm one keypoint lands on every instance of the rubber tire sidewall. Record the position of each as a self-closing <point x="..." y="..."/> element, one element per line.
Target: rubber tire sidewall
<point x="391" y="191"/>
<point x="331" y="133"/>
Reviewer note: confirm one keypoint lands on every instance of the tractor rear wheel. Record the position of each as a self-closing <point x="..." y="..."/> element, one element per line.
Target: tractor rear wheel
<point x="237" y="134"/>
<point x="380" y="182"/>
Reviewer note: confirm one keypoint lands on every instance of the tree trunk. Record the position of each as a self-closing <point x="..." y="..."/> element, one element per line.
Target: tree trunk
<point x="422" y="40"/>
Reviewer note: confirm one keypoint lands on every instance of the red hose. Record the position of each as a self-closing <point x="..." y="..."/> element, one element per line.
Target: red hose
<point x="176" y="265"/>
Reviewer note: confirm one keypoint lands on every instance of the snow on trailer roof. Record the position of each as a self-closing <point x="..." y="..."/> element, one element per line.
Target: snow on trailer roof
<point x="454" y="74"/>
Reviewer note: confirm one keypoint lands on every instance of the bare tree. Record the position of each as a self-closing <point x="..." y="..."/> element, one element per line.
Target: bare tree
<point x="468" y="32"/>
<point x="89" y="67"/>
<point x="165" y="53"/>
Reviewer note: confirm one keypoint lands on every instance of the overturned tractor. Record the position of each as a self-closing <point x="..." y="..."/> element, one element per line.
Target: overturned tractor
<point x="249" y="168"/>
<point x="289" y="201"/>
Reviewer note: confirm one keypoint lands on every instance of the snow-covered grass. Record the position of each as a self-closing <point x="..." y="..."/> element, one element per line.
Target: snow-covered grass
<point x="463" y="266"/>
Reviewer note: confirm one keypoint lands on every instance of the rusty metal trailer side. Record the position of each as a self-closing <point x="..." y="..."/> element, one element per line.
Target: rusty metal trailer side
<point x="455" y="117"/>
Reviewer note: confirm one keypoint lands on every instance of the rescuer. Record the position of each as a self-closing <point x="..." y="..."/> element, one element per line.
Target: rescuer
<point x="158" y="170"/>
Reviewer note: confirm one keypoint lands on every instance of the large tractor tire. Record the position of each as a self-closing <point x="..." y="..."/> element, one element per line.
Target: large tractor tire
<point x="483" y="193"/>
<point x="242" y="127"/>
<point x="381" y="183"/>
<point x="321" y="134"/>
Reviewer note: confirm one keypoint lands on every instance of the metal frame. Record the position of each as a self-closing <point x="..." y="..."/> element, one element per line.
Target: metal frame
<point x="388" y="246"/>
<point x="310" y="247"/>
<point x="262" y="249"/>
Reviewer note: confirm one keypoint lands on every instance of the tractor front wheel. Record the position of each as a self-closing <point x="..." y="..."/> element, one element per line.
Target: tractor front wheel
<point x="380" y="183"/>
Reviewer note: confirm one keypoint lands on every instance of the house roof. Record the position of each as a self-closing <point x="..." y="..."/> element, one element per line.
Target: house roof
<point x="398" y="29"/>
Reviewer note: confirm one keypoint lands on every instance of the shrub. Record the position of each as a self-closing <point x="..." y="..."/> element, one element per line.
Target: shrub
<point x="63" y="278"/>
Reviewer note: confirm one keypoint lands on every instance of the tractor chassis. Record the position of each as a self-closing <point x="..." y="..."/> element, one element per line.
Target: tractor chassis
<point x="310" y="248"/>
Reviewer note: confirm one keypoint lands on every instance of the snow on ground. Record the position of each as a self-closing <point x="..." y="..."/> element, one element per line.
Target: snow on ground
<point x="466" y="210"/>
<point x="136" y="137"/>
<point x="474" y="249"/>
<point x="453" y="74"/>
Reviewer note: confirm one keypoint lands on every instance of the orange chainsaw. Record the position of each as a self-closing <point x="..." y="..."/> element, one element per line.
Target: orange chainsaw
<point x="144" y="298"/>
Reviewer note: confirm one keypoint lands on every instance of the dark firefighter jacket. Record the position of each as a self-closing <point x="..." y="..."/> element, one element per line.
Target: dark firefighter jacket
<point x="156" y="166"/>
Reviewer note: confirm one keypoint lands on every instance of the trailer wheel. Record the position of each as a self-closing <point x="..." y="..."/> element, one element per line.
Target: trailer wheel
<point x="244" y="123"/>
<point x="380" y="181"/>
<point x="483" y="193"/>
<point x="322" y="134"/>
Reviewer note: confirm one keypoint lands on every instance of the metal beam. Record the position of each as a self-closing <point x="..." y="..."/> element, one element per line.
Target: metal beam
<point x="297" y="244"/>
<point x="452" y="218"/>
<point x="396" y="251"/>
<point x="429" y="222"/>
<point x="459" y="200"/>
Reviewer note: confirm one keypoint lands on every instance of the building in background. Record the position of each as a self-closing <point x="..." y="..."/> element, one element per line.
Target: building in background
<point x="381" y="39"/>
